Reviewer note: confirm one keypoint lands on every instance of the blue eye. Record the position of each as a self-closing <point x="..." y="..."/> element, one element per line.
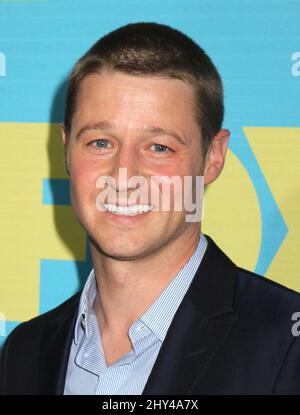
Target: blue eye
<point x="160" y="148"/>
<point x="102" y="143"/>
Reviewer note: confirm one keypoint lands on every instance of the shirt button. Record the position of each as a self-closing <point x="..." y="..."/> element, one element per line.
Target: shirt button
<point x="140" y="327"/>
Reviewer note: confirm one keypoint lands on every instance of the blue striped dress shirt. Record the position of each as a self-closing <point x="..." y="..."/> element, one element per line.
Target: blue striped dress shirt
<point x="87" y="372"/>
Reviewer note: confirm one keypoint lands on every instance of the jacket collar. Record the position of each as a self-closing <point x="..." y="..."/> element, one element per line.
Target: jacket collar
<point x="212" y="290"/>
<point x="55" y="350"/>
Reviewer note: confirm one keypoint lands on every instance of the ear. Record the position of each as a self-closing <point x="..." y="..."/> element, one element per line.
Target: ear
<point x="65" y="143"/>
<point x="215" y="157"/>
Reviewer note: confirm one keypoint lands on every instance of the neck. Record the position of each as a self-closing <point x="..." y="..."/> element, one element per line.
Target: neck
<point x="126" y="289"/>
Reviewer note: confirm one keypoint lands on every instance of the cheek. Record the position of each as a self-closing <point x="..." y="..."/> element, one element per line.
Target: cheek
<point x="181" y="166"/>
<point x="83" y="179"/>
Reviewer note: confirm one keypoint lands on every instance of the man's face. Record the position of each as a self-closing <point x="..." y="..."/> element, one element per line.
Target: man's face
<point x="146" y="125"/>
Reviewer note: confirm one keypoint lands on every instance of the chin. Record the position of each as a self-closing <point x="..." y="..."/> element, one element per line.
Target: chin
<point x="120" y="252"/>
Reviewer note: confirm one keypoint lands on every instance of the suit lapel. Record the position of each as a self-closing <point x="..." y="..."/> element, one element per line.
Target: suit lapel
<point x="200" y="326"/>
<point x="54" y="354"/>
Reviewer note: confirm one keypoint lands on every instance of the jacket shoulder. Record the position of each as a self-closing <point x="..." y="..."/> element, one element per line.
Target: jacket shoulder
<point x="255" y="284"/>
<point x="31" y="330"/>
<point x="266" y="303"/>
<point x="19" y="363"/>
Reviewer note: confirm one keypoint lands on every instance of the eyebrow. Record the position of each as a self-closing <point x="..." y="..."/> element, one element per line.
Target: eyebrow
<point x="151" y="129"/>
<point x="161" y="131"/>
<point x="99" y="126"/>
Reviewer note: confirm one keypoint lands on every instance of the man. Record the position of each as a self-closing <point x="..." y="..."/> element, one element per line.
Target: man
<point x="164" y="311"/>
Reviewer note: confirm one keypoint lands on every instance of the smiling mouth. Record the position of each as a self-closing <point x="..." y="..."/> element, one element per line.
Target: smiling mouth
<point x="127" y="210"/>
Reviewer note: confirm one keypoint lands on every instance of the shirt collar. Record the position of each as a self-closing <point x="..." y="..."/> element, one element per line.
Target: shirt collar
<point x="86" y="305"/>
<point x="165" y="305"/>
<point x="159" y="315"/>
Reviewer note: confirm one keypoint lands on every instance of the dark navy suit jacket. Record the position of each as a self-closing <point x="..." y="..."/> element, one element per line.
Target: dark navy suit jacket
<point x="230" y="335"/>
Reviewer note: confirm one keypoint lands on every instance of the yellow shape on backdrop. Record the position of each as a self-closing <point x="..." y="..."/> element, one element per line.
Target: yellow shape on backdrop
<point x="30" y="230"/>
<point x="277" y="150"/>
<point x="232" y="215"/>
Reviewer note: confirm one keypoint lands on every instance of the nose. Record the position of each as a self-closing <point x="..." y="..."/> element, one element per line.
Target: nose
<point x="125" y="167"/>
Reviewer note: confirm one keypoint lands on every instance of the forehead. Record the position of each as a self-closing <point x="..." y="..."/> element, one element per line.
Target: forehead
<point x="112" y="88"/>
<point x="131" y="102"/>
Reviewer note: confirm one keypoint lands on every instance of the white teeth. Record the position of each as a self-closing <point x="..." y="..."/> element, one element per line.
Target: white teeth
<point x="127" y="210"/>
